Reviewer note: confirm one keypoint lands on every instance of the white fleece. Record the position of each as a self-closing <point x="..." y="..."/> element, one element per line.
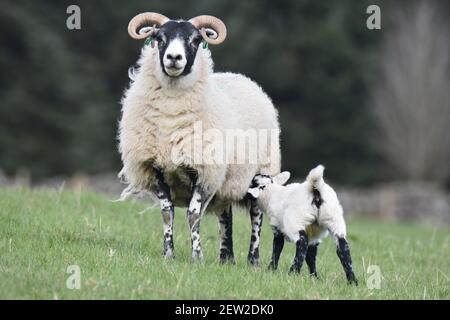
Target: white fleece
<point x="156" y="107"/>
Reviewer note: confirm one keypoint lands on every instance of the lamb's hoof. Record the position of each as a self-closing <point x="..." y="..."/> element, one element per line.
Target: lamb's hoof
<point x="293" y="270"/>
<point x="314" y="275"/>
<point x="272" y="267"/>
<point x="197" y="256"/>
<point x="254" y="261"/>
<point x="227" y="258"/>
<point x="352" y="280"/>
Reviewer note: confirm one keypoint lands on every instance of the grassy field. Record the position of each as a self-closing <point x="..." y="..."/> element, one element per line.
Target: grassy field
<point x="118" y="250"/>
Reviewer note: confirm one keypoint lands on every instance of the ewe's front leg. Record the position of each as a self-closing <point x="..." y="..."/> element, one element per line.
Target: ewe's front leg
<point x="256" y="216"/>
<point x="199" y="201"/>
<point x="226" y="236"/>
<point x="300" y="252"/>
<point x="162" y="191"/>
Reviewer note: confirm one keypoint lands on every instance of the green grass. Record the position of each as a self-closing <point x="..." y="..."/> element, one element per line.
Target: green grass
<point x="43" y="232"/>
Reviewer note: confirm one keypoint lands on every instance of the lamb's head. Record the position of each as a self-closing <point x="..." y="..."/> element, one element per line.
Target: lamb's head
<point x="178" y="41"/>
<point x="262" y="183"/>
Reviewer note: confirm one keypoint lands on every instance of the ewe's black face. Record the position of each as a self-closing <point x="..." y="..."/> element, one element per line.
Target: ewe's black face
<point x="178" y="42"/>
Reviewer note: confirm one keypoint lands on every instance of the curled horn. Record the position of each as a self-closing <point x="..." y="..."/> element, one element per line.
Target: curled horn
<point x="146" y="18"/>
<point x="204" y="22"/>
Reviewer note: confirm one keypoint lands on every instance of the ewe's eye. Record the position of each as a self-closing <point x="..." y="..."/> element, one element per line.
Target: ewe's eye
<point x="195" y="41"/>
<point x="160" y="40"/>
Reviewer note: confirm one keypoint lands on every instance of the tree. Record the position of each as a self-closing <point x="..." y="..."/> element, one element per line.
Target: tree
<point x="412" y="98"/>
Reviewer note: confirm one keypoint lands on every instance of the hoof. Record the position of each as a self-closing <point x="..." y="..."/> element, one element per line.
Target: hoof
<point x="197" y="256"/>
<point x="352" y="280"/>
<point x="254" y="261"/>
<point x="293" y="270"/>
<point x="229" y="258"/>
<point x="169" y="255"/>
<point x="272" y="267"/>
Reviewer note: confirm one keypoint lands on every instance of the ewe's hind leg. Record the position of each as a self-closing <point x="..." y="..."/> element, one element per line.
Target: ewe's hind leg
<point x="162" y="191"/>
<point x="300" y="252"/>
<point x="256" y="216"/>
<point x="278" y="244"/>
<point x="311" y="259"/>
<point x="197" y="205"/>
<point x="226" y="236"/>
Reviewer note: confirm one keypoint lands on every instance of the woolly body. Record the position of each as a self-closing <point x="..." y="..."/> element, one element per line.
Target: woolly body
<point x="159" y="114"/>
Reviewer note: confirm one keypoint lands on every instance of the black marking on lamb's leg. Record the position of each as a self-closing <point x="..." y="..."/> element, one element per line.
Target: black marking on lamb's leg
<point x="256" y="216"/>
<point x="226" y="236"/>
<point x="278" y="244"/>
<point x="162" y="191"/>
<point x="300" y="252"/>
<point x="311" y="259"/>
<point x="343" y="252"/>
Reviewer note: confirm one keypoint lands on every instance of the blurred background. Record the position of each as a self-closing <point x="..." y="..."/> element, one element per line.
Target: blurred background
<point x="373" y="106"/>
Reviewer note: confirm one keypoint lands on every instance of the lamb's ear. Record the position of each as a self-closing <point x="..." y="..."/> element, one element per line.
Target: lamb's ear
<point x="282" y="178"/>
<point x="254" y="192"/>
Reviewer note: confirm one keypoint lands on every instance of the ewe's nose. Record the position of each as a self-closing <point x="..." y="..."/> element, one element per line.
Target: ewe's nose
<point x="174" y="57"/>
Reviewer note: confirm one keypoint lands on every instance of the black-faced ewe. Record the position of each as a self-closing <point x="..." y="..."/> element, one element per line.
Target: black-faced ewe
<point x="303" y="213"/>
<point x="176" y="117"/>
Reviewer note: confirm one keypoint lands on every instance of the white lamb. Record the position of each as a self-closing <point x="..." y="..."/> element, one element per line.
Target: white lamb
<point x="174" y="115"/>
<point x="303" y="213"/>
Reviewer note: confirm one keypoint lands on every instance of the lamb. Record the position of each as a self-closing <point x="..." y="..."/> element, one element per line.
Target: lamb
<point x="303" y="213"/>
<point x="173" y="116"/>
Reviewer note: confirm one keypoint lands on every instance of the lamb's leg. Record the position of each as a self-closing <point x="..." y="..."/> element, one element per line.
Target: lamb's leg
<point x="311" y="259"/>
<point x="300" y="252"/>
<point x="199" y="201"/>
<point x="343" y="252"/>
<point x="337" y="228"/>
<point x="162" y="191"/>
<point x="278" y="244"/>
<point x="256" y="216"/>
<point x="226" y="236"/>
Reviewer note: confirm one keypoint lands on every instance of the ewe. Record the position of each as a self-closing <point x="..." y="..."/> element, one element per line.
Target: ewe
<point x="303" y="213"/>
<point x="175" y="93"/>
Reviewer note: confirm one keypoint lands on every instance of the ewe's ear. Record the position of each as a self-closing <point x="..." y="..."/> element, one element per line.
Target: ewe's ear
<point x="282" y="178"/>
<point x="254" y="192"/>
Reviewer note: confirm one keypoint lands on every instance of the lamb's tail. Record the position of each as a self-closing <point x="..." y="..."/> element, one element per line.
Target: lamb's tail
<point x="315" y="176"/>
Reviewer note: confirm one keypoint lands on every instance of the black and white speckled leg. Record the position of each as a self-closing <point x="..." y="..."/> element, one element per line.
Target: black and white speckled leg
<point x="311" y="259"/>
<point x="162" y="191"/>
<point x="343" y="252"/>
<point x="256" y="216"/>
<point x="278" y="244"/>
<point x="226" y="236"/>
<point x="300" y="252"/>
<point x="199" y="201"/>
<point x="193" y="215"/>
